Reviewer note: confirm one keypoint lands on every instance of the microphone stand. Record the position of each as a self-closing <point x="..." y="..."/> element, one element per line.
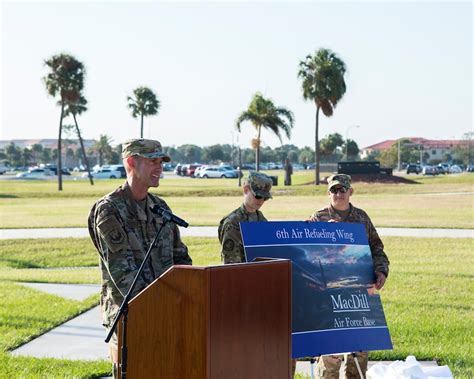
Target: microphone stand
<point x="124" y="307"/>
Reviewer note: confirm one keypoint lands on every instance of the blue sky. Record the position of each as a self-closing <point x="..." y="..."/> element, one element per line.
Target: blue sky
<point x="409" y="67"/>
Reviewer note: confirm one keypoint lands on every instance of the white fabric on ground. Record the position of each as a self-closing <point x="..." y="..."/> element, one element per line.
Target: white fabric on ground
<point x="408" y="369"/>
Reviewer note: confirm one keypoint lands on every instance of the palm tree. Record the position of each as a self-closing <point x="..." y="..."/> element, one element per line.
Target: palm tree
<point x="263" y="113"/>
<point x="144" y="103"/>
<point x="103" y="148"/>
<point x="65" y="79"/>
<point x="26" y="156"/>
<point x="37" y="150"/>
<point x="322" y="82"/>
<point x="77" y="109"/>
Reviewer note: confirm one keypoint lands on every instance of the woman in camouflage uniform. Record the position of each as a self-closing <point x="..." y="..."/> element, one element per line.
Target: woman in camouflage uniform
<point x="256" y="189"/>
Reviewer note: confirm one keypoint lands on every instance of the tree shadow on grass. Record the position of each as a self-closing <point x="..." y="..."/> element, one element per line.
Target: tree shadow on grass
<point x="17" y="263"/>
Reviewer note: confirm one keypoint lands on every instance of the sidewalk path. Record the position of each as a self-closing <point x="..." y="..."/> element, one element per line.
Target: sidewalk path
<point x="79" y="338"/>
<point x="211" y="231"/>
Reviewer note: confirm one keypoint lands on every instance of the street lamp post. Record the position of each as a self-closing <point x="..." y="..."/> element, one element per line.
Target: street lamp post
<point x="239" y="159"/>
<point x="420" y="147"/>
<point x="347" y="139"/>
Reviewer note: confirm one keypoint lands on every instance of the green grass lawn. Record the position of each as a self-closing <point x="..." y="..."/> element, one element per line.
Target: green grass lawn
<point x="430" y="203"/>
<point x="428" y="300"/>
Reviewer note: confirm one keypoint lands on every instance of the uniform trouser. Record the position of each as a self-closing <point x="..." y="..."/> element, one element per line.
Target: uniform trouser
<point x="113" y="351"/>
<point x="328" y="366"/>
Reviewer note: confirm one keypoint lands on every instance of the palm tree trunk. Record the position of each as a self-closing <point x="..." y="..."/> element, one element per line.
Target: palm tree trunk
<point x="59" y="168"/>
<point x="316" y="147"/>
<point x="141" y="126"/>
<point x="257" y="150"/>
<point x="84" y="155"/>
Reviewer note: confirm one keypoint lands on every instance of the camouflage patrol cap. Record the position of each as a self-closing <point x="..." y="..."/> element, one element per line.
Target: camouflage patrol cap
<point x="146" y="148"/>
<point x="339" y="179"/>
<point x="260" y="184"/>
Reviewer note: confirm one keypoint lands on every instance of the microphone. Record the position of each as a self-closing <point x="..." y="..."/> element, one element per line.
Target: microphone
<point x="168" y="216"/>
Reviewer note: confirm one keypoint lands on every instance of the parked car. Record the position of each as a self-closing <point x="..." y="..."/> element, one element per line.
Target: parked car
<point x="169" y="166"/>
<point x="470" y="168"/>
<point x="454" y="169"/>
<point x="443" y="168"/>
<point x="36" y="173"/>
<point x="429" y="170"/>
<point x="274" y="166"/>
<point x="217" y="172"/>
<point x="119" y="167"/>
<point x="197" y="172"/>
<point x="189" y="169"/>
<point x="178" y="170"/>
<point x="413" y="168"/>
<point x="297" y="167"/>
<point x="227" y="166"/>
<point x="104" y="173"/>
<point x="248" y="166"/>
<point x="54" y="170"/>
<point x="231" y="168"/>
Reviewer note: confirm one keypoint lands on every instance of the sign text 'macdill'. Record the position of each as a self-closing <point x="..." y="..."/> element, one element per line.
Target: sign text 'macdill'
<point x="354" y="302"/>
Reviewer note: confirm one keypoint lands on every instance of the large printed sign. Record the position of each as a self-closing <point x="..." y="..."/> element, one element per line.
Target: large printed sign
<point x="335" y="307"/>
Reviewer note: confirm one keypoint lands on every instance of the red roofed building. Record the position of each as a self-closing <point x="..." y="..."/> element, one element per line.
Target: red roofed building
<point x="436" y="149"/>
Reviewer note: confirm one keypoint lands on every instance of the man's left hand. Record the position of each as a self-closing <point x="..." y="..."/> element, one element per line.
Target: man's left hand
<point x="380" y="281"/>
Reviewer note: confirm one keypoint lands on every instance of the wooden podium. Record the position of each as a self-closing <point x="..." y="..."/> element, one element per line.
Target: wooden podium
<point x="229" y="321"/>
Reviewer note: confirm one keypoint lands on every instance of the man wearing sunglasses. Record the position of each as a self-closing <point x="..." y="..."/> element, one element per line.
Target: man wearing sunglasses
<point x="341" y="210"/>
<point x="256" y="190"/>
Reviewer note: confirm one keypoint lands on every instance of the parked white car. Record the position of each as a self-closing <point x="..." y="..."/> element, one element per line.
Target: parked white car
<point x="36" y="173"/>
<point x="217" y="172"/>
<point x="197" y="172"/>
<point x="104" y="173"/>
<point x="455" y="169"/>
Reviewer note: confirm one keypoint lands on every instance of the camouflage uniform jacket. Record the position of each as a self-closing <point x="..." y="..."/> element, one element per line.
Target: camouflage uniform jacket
<point x="357" y="215"/>
<point x="122" y="231"/>
<point x="229" y="234"/>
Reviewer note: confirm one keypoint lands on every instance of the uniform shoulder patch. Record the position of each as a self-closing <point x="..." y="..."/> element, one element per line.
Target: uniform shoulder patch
<point x="116" y="236"/>
<point x="228" y="245"/>
<point x="113" y="233"/>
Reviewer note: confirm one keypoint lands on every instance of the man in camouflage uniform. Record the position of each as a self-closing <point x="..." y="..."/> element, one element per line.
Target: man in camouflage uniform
<point x="341" y="210"/>
<point x="256" y="189"/>
<point x="122" y="227"/>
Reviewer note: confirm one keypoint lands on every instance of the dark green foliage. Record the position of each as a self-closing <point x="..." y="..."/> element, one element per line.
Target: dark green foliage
<point x="263" y="113"/>
<point x="143" y="103"/>
<point x="66" y="81"/>
<point x="322" y="76"/>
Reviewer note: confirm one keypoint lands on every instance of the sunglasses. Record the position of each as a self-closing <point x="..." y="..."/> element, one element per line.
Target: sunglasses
<point x="339" y="189"/>
<point x="258" y="197"/>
